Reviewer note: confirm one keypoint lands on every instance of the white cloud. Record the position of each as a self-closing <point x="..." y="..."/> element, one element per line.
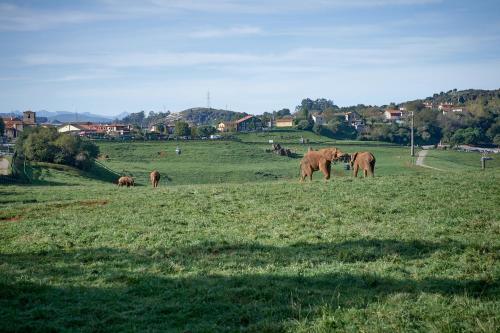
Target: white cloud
<point x="229" y="32"/>
<point x="382" y="52"/>
<point x="17" y="18"/>
<point x="23" y="18"/>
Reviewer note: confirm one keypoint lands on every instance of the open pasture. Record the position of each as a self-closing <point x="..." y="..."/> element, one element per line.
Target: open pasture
<point x="205" y="162"/>
<point x="410" y="250"/>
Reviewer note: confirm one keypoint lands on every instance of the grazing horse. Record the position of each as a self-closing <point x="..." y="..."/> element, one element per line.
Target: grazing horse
<point x="155" y="178"/>
<point x="126" y="181"/>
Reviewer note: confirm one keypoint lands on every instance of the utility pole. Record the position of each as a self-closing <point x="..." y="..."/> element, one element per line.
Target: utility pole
<point x="412" y="152"/>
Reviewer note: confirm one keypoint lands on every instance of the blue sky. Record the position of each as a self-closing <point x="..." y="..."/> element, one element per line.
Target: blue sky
<point x="110" y="56"/>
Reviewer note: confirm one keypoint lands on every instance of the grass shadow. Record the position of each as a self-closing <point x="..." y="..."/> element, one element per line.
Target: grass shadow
<point x="105" y="289"/>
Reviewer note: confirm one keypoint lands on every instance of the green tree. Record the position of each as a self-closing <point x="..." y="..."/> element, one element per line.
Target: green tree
<point x="206" y="130"/>
<point x="37" y="144"/>
<point x="182" y="128"/>
<point x="468" y="136"/>
<point x="47" y="145"/>
<point x="193" y="131"/>
<point x="304" y="125"/>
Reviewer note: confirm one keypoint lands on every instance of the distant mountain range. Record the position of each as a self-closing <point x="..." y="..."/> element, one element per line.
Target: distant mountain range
<point x="66" y="116"/>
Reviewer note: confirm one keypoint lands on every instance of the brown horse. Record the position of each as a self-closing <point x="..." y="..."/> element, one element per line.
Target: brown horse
<point x="126" y="181"/>
<point x="155" y="178"/>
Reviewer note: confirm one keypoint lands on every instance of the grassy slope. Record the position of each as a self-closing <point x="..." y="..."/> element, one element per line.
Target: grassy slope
<point x="204" y="162"/>
<point x="415" y="251"/>
<point x="460" y="161"/>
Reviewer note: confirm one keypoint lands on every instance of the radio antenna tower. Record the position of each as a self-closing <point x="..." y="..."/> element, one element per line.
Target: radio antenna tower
<point x="208" y="99"/>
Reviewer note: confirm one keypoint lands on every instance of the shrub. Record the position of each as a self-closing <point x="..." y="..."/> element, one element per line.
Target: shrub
<point x="47" y="145"/>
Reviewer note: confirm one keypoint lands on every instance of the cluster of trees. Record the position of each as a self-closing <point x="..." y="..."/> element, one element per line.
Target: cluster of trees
<point x="478" y="125"/>
<point x="182" y="129"/>
<point x="333" y="125"/>
<point x="209" y="116"/>
<point x="139" y="119"/>
<point x="42" y="144"/>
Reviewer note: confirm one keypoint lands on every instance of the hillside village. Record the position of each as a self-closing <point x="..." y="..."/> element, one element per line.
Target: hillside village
<point x="438" y="118"/>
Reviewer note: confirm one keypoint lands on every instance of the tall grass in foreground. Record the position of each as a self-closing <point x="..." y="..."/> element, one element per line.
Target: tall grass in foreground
<point x="410" y="252"/>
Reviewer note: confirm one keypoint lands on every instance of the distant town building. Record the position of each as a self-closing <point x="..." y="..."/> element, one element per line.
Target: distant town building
<point x="317" y="118"/>
<point x="29" y="118"/>
<point x="428" y="105"/>
<point x="284" y="122"/>
<point x="353" y="119"/>
<point x="87" y="128"/>
<point x="226" y="126"/>
<point x="71" y="129"/>
<point x="445" y="107"/>
<point x="393" y="115"/>
<point x="248" y="123"/>
<point x="451" y="110"/>
<point x="15" y="125"/>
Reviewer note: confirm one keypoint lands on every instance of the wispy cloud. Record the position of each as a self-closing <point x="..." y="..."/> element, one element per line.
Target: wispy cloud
<point x="24" y="18"/>
<point x="16" y="18"/>
<point x="382" y="52"/>
<point x="229" y="32"/>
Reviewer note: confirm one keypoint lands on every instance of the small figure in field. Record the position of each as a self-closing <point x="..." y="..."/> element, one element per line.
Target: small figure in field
<point x="155" y="178"/>
<point x="364" y="160"/>
<point x="318" y="160"/>
<point x="126" y="181"/>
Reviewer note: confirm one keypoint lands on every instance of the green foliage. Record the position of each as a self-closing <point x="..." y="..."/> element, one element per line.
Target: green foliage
<point x="209" y="116"/>
<point x="469" y="136"/>
<point x="206" y="130"/>
<point x="182" y="129"/>
<point x="41" y="144"/>
<point x="193" y="131"/>
<point x="305" y="125"/>
<point x="319" y="104"/>
<point x="136" y="119"/>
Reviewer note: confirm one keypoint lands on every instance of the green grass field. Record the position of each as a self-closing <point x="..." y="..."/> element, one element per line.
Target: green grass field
<point x="233" y="242"/>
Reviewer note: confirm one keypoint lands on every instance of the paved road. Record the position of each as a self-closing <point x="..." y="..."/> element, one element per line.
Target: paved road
<point x="420" y="160"/>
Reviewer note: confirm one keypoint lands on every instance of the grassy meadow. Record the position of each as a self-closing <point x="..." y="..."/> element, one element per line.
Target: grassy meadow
<point x="233" y="242"/>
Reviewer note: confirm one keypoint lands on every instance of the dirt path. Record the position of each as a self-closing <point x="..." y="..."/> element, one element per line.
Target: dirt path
<point x="420" y="160"/>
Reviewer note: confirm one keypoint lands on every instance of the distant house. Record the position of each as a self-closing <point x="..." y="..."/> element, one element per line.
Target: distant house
<point x="118" y="129"/>
<point x="14" y="125"/>
<point x="317" y="118"/>
<point x="446" y="108"/>
<point x="226" y="126"/>
<point x="353" y="119"/>
<point x="70" y="129"/>
<point x="87" y="128"/>
<point x="284" y="122"/>
<point x="248" y="123"/>
<point x="428" y="105"/>
<point x="452" y="110"/>
<point x="393" y="115"/>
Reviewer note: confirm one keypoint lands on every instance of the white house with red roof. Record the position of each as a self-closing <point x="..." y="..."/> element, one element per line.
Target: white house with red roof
<point x="393" y="115"/>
